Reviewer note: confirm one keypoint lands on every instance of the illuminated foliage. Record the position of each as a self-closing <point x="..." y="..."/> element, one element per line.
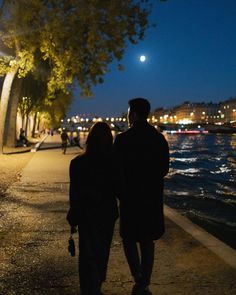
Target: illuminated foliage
<point x="58" y="108"/>
<point x="78" y="38"/>
<point x="71" y="39"/>
<point x="32" y="100"/>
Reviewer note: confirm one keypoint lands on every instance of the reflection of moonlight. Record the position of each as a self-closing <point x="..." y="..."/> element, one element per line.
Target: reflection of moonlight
<point x="142" y="58"/>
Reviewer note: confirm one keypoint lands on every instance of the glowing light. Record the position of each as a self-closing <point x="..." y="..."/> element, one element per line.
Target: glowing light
<point x="185" y="121"/>
<point x="142" y="58"/>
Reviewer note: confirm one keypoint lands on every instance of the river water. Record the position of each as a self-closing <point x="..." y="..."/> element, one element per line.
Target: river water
<point x="202" y="181"/>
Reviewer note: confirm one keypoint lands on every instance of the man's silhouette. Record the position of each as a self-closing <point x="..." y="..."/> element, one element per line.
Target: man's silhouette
<point x="64" y="139"/>
<point x="22" y="138"/>
<point x="144" y="155"/>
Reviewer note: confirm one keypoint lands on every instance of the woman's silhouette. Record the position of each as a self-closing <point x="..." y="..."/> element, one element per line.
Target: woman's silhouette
<point x="93" y="207"/>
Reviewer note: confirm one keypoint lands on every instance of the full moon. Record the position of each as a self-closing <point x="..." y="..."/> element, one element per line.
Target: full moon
<point x="142" y="58"/>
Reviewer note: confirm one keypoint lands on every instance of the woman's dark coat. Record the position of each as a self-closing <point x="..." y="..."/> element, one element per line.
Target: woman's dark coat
<point x="92" y="194"/>
<point x="93" y="208"/>
<point x="144" y="155"/>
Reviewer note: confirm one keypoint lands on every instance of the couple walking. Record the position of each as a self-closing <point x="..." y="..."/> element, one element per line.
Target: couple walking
<point x="132" y="170"/>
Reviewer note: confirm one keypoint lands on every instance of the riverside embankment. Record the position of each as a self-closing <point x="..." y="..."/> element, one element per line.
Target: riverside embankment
<point x="34" y="235"/>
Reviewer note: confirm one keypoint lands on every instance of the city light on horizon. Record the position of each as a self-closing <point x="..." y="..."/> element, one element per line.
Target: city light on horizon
<point x="186" y="113"/>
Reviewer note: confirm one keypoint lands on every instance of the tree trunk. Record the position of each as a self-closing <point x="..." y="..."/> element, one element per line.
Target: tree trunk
<point x="34" y="124"/>
<point x="10" y="132"/>
<point x="26" y="124"/>
<point x="38" y="124"/>
<point x="23" y="120"/>
<point x="4" y="103"/>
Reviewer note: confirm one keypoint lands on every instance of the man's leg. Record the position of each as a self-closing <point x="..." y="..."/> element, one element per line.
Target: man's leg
<point x="147" y="249"/>
<point x="63" y="147"/>
<point x="132" y="256"/>
<point x="141" y="270"/>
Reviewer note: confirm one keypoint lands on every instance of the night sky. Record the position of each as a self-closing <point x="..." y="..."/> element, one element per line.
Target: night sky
<point x="191" y="55"/>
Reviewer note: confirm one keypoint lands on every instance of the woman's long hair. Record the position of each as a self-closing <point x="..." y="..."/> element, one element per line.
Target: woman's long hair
<point x="99" y="140"/>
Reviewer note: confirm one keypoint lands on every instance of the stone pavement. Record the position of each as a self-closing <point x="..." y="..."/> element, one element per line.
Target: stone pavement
<point x="34" y="235"/>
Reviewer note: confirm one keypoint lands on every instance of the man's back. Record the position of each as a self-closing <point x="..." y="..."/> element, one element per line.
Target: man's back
<point x="143" y="154"/>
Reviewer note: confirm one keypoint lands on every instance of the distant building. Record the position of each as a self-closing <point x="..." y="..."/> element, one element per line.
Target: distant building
<point x="184" y="113"/>
<point x="200" y="112"/>
<point x="227" y="111"/>
<point x="212" y="112"/>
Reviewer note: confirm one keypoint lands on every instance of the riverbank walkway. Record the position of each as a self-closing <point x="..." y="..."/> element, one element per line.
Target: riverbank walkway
<point x="34" y="237"/>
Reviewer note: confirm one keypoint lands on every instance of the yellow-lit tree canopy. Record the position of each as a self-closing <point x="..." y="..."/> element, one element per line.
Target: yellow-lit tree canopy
<point x="76" y="39"/>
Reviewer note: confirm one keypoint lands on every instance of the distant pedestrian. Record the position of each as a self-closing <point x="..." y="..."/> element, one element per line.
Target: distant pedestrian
<point x="64" y="140"/>
<point x="71" y="139"/>
<point x="144" y="156"/>
<point x="22" y="138"/>
<point x="77" y="140"/>
<point x="93" y="207"/>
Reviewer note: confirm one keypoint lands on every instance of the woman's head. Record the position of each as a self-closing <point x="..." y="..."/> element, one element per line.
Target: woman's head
<point x="99" y="138"/>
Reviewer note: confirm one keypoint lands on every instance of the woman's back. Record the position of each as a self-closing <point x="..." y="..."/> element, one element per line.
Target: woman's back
<point x="93" y="187"/>
<point x="92" y="178"/>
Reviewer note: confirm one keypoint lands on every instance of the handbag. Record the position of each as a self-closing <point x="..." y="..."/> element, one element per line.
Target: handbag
<point x="71" y="246"/>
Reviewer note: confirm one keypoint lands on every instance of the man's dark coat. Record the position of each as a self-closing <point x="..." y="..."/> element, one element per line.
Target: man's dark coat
<point x="144" y="156"/>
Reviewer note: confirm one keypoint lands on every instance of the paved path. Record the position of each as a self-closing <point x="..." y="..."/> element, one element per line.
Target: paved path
<point x="34" y="234"/>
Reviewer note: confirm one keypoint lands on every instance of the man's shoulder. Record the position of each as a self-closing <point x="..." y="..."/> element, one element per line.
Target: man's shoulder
<point x="155" y="132"/>
<point x="123" y="135"/>
<point x="131" y="133"/>
<point x="80" y="159"/>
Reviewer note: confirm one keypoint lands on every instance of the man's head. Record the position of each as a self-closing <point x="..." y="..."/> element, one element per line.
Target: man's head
<point x="139" y="109"/>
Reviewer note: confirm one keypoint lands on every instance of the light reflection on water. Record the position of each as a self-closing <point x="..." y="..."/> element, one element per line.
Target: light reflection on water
<point x="186" y="160"/>
<point x="202" y="178"/>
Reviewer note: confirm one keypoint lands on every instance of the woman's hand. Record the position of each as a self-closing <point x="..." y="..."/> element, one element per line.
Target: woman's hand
<point x="73" y="229"/>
